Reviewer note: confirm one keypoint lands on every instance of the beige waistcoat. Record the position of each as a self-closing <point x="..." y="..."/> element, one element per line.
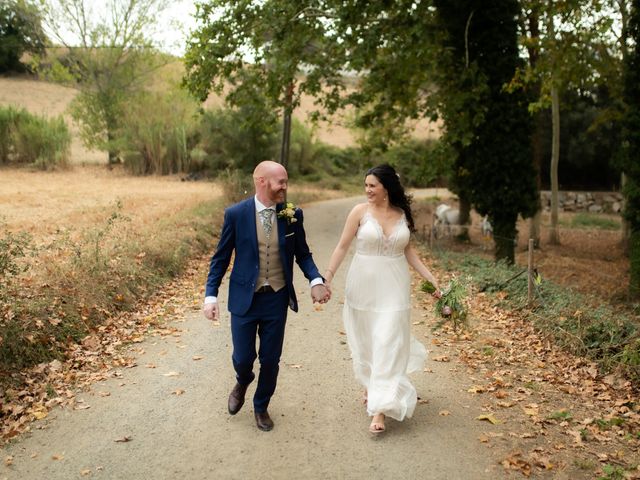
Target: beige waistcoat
<point x="271" y="271"/>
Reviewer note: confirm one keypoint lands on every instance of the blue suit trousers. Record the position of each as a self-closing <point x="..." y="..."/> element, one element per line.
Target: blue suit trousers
<point x="266" y="319"/>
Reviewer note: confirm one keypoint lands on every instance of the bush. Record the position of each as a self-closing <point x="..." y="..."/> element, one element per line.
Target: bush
<point x="82" y="279"/>
<point x="157" y="134"/>
<point x="233" y="139"/>
<point x="418" y="162"/>
<point x="26" y="138"/>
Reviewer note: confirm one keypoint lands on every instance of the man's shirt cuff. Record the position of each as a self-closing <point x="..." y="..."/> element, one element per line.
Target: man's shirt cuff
<point x="316" y="281"/>
<point x="210" y="300"/>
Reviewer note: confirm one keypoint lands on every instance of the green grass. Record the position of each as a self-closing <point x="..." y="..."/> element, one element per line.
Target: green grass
<point x="592" y="221"/>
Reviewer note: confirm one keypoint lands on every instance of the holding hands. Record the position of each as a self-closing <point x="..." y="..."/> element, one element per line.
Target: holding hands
<point x="321" y="293"/>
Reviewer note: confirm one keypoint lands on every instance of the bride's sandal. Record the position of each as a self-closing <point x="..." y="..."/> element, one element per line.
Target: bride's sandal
<point x="377" y="426"/>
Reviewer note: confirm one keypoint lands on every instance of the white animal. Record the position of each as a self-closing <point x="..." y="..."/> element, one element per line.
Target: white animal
<point x="486" y="227"/>
<point x="445" y="216"/>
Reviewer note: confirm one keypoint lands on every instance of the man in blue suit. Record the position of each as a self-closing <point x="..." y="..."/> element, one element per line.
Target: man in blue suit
<point x="266" y="237"/>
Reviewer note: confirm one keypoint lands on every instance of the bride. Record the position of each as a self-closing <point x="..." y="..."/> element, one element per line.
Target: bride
<point x="377" y="303"/>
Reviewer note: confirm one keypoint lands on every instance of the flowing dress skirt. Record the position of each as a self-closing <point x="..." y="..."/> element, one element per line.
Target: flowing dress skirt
<point x="377" y="321"/>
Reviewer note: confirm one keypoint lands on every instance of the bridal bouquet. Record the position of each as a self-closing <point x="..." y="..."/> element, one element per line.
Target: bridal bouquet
<point x="452" y="303"/>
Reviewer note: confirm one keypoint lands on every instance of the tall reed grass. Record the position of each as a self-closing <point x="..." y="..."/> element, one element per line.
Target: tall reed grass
<point x="31" y="139"/>
<point x="158" y="132"/>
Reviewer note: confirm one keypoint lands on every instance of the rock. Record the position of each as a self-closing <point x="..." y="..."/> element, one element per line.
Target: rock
<point x="595" y="208"/>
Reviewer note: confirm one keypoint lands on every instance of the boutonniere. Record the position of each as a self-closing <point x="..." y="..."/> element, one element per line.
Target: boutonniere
<point x="288" y="212"/>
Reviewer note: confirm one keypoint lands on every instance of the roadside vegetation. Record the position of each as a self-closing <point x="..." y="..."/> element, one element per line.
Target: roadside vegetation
<point x="584" y="325"/>
<point x="27" y="139"/>
<point x="54" y="292"/>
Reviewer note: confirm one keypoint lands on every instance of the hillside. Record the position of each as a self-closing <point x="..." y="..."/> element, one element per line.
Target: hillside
<point x="50" y="99"/>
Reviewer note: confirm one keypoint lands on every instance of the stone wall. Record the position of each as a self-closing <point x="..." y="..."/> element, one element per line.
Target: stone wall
<point x="594" y="202"/>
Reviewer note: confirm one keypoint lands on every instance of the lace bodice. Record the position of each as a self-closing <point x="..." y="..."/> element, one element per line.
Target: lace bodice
<point x="371" y="240"/>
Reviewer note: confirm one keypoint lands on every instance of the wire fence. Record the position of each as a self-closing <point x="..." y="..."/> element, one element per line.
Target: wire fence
<point x="593" y="253"/>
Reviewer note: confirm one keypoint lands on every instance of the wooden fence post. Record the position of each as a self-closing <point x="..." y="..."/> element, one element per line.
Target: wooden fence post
<point x="530" y="273"/>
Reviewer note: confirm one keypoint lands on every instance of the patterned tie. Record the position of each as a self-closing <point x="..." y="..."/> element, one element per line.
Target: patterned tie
<point x="266" y="215"/>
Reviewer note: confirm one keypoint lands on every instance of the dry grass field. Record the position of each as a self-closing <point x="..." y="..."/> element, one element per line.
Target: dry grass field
<point x="43" y="202"/>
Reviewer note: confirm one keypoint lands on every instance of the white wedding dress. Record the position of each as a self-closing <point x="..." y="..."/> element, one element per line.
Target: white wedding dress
<point x="376" y="316"/>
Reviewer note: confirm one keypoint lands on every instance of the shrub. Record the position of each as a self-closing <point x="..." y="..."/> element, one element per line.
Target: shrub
<point x="234" y="139"/>
<point x="82" y="279"/>
<point x="157" y="133"/>
<point x="26" y="138"/>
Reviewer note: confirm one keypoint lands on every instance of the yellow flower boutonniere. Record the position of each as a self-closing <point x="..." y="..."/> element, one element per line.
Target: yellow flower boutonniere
<point x="288" y="213"/>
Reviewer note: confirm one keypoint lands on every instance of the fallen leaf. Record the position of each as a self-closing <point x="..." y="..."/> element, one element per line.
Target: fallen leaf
<point x="476" y="389"/>
<point x="179" y="391"/>
<point x="8" y="461"/>
<point x="444" y="413"/>
<point x="441" y="358"/>
<point x="84" y="473"/>
<point x="123" y="439"/>
<point x="489" y="418"/>
<point x="197" y="357"/>
<point x="483" y="438"/>
<point x="171" y="374"/>
<point x="150" y="365"/>
<point x="57" y="456"/>
<point x="295" y="365"/>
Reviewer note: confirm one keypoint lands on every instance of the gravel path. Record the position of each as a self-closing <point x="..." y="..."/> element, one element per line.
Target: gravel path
<point x="321" y="425"/>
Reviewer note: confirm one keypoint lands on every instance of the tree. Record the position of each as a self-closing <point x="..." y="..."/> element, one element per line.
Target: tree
<point x="563" y="41"/>
<point x="269" y="51"/>
<point x="20" y="32"/>
<point x="110" y="55"/>
<point x="499" y="172"/>
<point x="631" y="163"/>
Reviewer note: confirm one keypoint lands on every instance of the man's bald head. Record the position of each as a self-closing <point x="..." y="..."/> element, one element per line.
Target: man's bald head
<point x="270" y="179"/>
<point x="268" y="168"/>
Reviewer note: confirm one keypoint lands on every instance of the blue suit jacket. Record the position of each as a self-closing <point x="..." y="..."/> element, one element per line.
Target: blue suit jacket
<point x="239" y="235"/>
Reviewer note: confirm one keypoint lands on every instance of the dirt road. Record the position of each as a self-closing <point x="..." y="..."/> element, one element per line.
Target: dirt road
<point x="176" y="424"/>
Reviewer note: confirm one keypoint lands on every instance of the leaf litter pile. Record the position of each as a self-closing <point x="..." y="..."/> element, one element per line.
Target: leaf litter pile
<point x="548" y="414"/>
<point x="101" y="355"/>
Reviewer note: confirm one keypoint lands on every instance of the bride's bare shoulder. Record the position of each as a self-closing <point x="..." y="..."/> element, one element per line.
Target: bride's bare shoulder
<point x="359" y="209"/>
<point x="358" y="212"/>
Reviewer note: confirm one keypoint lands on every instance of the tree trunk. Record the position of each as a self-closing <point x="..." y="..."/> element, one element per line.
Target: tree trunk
<point x="634" y="262"/>
<point x="537" y="154"/>
<point x="286" y="127"/>
<point x="113" y="154"/>
<point x="504" y="236"/>
<point x="554" y="237"/>
<point x="624" y="240"/>
<point x="465" y="219"/>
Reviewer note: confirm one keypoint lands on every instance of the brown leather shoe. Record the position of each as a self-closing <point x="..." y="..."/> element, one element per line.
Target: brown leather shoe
<point x="264" y="422"/>
<point x="236" y="398"/>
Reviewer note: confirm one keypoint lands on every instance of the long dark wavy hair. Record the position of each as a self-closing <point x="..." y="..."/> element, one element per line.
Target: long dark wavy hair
<point x="390" y="180"/>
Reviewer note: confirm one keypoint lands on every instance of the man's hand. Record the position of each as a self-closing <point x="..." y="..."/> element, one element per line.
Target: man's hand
<point x="320" y="293"/>
<point x="211" y="311"/>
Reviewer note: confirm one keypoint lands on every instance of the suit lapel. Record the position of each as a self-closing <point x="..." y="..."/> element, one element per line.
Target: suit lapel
<point x="250" y="215"/>
<point x="282" y="228"/>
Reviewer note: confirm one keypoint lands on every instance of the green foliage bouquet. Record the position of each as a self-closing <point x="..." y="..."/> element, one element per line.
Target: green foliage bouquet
<point x="452" y="304"/>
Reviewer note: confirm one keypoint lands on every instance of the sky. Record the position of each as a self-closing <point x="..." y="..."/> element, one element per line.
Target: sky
<point x="171" y="32"/>
<point x="175" y="24"/>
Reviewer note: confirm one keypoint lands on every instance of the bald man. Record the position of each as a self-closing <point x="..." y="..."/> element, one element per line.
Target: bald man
<point x="261" y="283"/>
